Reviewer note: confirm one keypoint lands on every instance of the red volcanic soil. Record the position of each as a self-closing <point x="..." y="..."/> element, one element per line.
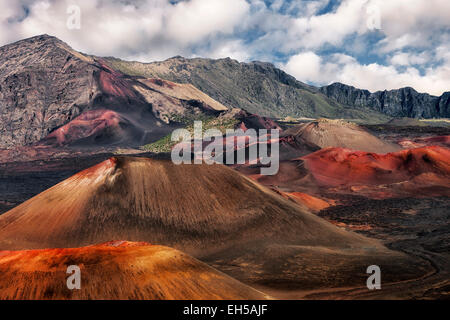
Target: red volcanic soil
<point x="92" y="123"/>
<point x="115" y="270"/>
<point x="162" y="83"/>
<point x="113" y="83"/>
<point x="208" y="211"/>
<point x="337" y="166"/>
<point x="426" y="169"/>
<point x="232" y="146"/>
<point x="313" y="203"/>
<point x="289" y="148"/>
<point x="443" y="141"/>
<point x="421" y="172"/>
<point x="439" y="139"/>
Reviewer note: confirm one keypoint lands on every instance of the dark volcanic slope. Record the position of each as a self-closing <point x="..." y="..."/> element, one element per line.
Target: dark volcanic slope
<point x="257" y="87"/>
<point x="417" y="226"/>
<point x="116" y="270"/>
<point x="212" y="212"/>
<point x="404" y="102"/>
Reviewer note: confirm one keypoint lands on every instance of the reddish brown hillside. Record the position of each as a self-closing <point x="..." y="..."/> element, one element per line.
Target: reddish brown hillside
<point x="337" y="166"/>
<point x="115" y="270"/>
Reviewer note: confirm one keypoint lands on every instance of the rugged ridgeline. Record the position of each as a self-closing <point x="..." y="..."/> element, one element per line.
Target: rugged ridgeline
<point x="257" y="87"/>
<point x="404" y="102"/>
<point x="44" y="85"/>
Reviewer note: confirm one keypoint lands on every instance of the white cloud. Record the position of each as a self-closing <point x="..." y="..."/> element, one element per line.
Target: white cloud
<point x="306" y="66"/>
<point x="412" y="22"/>
<point x="442" y="53"/>
<point x="194" y="20"/>
<point x="408" y="59"/>
<point x="287" y="33"/>
<point x="151" y="29"/>
<point x="414" y="34"/>
<point x="332" y="27"/>
<point x="234" y="49"/>
<point x="400" y="59"/>
<point x="309" y="67"/>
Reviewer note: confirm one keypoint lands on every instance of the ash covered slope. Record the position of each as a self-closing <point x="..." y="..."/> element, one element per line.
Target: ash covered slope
<point x="208" y="211"/>
<point x="403" y="102"/>
<point x="116" y="270"/>
<point x="256" y="87"/>
<point x="44" y="84"/>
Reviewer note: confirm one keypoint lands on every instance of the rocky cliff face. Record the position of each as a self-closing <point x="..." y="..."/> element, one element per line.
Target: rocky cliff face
<point x="443" y="105"/>
<point x="43" y="84"/>
<point x="404" y="102"/>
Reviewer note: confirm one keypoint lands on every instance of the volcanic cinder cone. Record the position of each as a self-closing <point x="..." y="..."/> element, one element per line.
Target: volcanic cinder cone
<point x="419" y="172"/>
<point x="338" y="133"/>
<point x="115" y="270"/>
<point x="209" y="211"/>
<point x="442" y="141"/>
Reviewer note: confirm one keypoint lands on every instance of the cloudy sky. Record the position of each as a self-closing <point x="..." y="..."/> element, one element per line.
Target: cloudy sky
<point x="371" y="44"/>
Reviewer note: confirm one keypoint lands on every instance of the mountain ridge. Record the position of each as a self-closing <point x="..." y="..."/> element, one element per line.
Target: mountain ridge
<point x="257" y="87"/>
<point x="45" y="85"/>
<point x="402" y="102"/>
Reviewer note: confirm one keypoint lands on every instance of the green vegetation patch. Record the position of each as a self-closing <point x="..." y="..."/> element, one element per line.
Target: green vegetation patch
<point x="166" y="144"/>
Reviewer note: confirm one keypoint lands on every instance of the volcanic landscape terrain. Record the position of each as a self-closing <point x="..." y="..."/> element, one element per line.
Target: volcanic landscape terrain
<point x="86" y="178"/>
